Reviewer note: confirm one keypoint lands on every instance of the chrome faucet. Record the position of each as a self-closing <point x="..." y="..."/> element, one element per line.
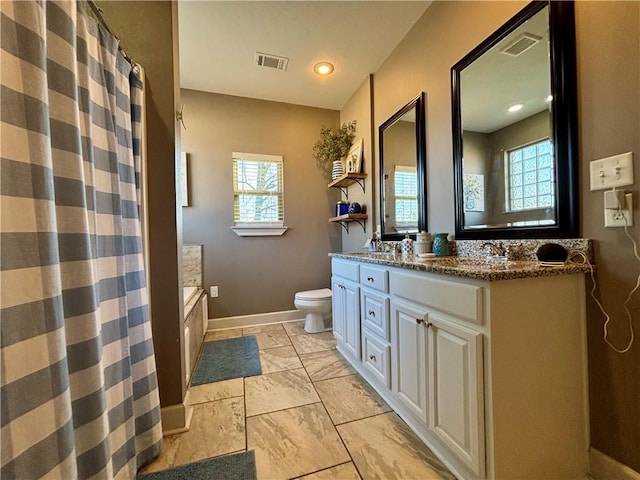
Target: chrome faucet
<point x="495" y="250"/>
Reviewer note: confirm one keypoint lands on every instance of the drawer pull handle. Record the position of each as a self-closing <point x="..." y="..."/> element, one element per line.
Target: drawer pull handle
<point x="369" y="279"/>
<point x="372" y="313"/>
<point x="419" y="321"/>
<point x="372" y="357"/>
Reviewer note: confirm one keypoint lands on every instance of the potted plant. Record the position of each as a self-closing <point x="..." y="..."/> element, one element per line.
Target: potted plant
<point x="332" y="147"/>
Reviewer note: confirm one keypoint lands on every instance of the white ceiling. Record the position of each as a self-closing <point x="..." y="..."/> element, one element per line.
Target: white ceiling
<point x="496" y="81"/>
<point x="219" y="39"/>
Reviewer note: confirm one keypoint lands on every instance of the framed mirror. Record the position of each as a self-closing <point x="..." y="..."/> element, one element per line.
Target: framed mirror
<point x="403" y="177"/>
<point x="515" y="129"/>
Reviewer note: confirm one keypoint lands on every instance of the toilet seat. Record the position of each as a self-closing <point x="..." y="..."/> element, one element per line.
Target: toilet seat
<point x="321" y="294"/>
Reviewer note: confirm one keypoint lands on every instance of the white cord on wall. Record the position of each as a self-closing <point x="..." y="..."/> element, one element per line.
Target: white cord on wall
<point x="626" y="303"/>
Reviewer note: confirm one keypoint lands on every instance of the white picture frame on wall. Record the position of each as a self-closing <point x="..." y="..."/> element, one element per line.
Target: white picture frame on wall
<point x="473" y="190"/>
<point x="184" y="182"/>
<point x="353" y="163"/>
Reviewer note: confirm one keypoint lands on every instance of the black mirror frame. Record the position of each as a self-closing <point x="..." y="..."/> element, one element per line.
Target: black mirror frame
<point x="418" y="103"/>
<point x="564" y="125"/>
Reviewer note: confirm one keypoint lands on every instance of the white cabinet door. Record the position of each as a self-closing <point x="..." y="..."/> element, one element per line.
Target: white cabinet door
<point x="455" y="387"/>
<point x="409" y="356"/>
<point x="352" y="318"/>
<point x="338" y="309"/>
<point x="346" y="314"/>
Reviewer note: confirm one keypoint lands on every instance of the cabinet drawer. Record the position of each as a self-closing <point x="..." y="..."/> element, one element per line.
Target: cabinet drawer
<point x="373" y="277"/>
<point x="459" y="299"/>
<point x="375" y="313"/>
<point x="345" y="269"/>
<point x="375" y="356"/>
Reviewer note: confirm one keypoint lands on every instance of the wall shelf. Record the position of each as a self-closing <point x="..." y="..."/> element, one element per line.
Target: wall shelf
<point x="344" y="220"/>
<point x="344" y="181"/>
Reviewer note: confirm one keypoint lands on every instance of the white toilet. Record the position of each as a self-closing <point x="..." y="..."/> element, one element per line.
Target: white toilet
<point x="316" y="305"/>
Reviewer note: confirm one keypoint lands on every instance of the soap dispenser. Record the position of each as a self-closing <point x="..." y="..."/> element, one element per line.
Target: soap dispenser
<point x="407" y="246"/>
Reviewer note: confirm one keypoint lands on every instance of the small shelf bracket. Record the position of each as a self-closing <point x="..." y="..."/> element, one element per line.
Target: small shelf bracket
<point x="345" y="224"/>
<point x="348" y="179"/>
<point x="345" y="188"/>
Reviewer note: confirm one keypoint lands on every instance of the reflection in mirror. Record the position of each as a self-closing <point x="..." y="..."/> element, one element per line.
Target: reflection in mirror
<point x="402" y="172"/>
<point x="513" y="169"/>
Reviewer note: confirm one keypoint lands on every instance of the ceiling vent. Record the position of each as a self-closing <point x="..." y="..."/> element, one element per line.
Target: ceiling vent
<point x="521" y="44"/>
<point x="267" y="60"/>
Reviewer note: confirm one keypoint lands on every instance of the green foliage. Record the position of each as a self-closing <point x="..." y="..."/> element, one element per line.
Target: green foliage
<point x="333" y="146"/>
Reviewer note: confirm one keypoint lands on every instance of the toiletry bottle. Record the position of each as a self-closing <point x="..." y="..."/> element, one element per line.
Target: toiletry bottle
<point x="373" y="245"/>
<point x="407" y="246"/>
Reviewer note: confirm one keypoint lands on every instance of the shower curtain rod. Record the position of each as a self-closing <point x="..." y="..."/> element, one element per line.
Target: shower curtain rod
<point x="99" y="15"/>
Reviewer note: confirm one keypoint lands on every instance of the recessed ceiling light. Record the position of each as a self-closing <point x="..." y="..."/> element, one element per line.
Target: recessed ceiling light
<point x="516" y="107"/>
<point x="323" y="68"/>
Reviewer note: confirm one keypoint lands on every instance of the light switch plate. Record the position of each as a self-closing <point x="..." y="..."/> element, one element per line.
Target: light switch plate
<point x="214" y="292"/>
<point x="616" y="171"/>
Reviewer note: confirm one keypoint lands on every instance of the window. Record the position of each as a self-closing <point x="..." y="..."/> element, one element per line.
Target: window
<point x="530" y="177"/>
<point x="258" y="194"/>
<point x="405" y="187"/>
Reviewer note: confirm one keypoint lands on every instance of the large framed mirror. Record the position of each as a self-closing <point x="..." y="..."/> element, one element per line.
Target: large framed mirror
<point x="515" y="131"/>
<point x="403" y="172"/>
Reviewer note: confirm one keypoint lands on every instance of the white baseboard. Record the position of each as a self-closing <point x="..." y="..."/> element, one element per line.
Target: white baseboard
<point x="603" y="467"/>
<point x="255" y="319"/>
<point x="177" y="418"/>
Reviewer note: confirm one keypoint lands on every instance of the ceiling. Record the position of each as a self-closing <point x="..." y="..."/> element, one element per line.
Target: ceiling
<point x="496" y="81"/>
<point x="219" y="40"/>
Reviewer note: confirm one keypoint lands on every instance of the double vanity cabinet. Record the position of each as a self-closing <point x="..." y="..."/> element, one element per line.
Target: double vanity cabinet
<point x="486" y="364"/>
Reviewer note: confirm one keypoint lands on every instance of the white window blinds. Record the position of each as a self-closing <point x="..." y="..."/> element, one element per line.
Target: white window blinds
<point x="258" y="189"/>
<point x="405" y="184"/>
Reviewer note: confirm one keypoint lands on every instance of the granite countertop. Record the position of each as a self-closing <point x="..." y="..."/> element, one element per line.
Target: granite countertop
<point x="469" y="267"/>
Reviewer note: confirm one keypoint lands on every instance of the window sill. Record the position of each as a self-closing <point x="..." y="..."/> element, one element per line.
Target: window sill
<point x="259" y="231"/>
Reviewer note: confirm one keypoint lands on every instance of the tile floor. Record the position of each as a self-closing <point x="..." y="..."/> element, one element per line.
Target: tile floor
<point x="308" y="416"/>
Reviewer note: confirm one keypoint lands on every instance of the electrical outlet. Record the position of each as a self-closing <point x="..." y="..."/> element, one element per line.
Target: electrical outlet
<point x="614" y="218"/>
<point x="616" y="171"/>
<point x="214" y="292"/>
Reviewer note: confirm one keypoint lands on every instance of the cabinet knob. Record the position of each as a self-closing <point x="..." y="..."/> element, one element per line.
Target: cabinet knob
<point x="372" y="357"/>
<point x="419" y="321"/>
<point x="369" y="279"/>
<point x="372" y="313"/>
<point x="429" y="324"/>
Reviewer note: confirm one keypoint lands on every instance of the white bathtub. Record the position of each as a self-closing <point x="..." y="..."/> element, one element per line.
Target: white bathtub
<point x="188" y="293"/>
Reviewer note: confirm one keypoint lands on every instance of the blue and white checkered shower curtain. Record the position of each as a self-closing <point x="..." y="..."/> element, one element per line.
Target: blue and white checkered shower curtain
<point x="79" y="394"/>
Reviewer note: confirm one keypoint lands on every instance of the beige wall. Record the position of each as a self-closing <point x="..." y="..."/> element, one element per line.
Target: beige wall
<point x="359" y="108"/>
<point x="153" y="44"/>
<point x="608" y="44"/>
<point x="257" y="274"/>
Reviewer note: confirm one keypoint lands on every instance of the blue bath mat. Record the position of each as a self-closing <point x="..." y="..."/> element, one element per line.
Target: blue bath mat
<point x="239" y="466"/>
<point x="227" y="358"/>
